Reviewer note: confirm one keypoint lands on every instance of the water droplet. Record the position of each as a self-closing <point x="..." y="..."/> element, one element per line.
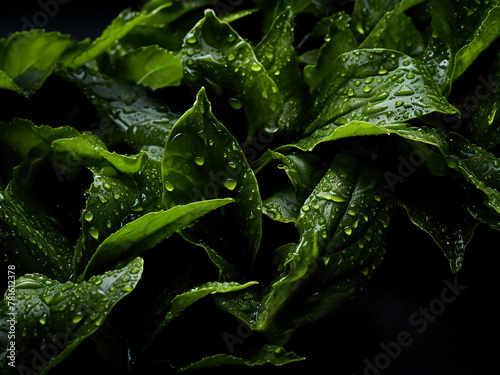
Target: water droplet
<point x="230" y="183"/>
<point x="137" y="206"/>
<point x="191" y="39"/>
<point x="404" y="90"/>
<point x="232" y="164"/>
<point x="350" y="92"/>
<point x="88" y="215"/>
<point x="305" y="208"/>
<point x="410" y="75"/>
<point x="256" y="67"/>
<point x="200" y="160"/>
<point x="43" y="319"/>
<point x="235" y="103"/>
<point x="94" y="232"/>
<point x="367" y="89"/>
<point x="382" y="71"/>
<point x="169" y="185"/>
<point x="269" y="55"/>
<point x="368" y="80"/>
<point x="451" y="162"/>
<point x="348" y="230"/>
<point x="77" y="318"/>
<point x="331" y="197"/>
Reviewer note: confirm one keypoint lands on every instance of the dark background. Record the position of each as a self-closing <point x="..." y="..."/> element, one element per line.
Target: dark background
<point x="462" y="340"/>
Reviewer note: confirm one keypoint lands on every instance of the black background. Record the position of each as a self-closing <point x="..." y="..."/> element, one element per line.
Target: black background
<point x="462" y="340"/>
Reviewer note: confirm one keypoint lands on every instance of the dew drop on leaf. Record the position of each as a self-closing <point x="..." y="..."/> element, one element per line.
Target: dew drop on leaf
<point x="88" y="215"/>
<point x="94" y="232"/>
<point x="200" y="160"/>
<point x="191" y="39"/>
<point x="235" y="103"/>
<point x="169" y="185"/>
<point x="230" y="183"/>
<point x="404" y="90"/>
<point x="330" y="197"/>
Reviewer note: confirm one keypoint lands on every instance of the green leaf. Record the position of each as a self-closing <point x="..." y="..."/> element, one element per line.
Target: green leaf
<point x="341" y="244"/>
<point x="462" y="30"/>
<point x="440" y="52"/>
<point x="28" y="58"/>
<point x="481" y="123"/>
<point x="215" y="56"/>
<point x="341" y="227"/>
<point x="202" y="160"/>
<point x="119" y="27"/>
<point x="166" y="27"/>
<point x="272" y="354"/>
<point x="367" y="13"/>
<point x="370" y="16"/>
<point x="358" y="128"/>
<point x="22" y="140"/>
<point x="53" y="318"/>
<point x="478" y="166"/>
<point x="433" y="207"/>
<point x="376" y="86"/>
<point x="396" y="31"/>
<point x="338" y="40"/>
<point x="282" y="206"/>
<point x="31" y="237"/>
<point x="93" y="152"/>
<point x="483" y="33"/>
<point x="186" y="299"/>
<point x="147" y="231"/>
<point x="277" y="54"/>
<point x="124" y="188"/>
<point x="136" y="118"/>
<point x="304" y="170"/>
<point x="150" y="66"/>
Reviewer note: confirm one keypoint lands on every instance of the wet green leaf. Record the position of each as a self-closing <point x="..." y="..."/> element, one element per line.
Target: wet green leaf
<point x="53" y="318"/>
<point x="150" y="66"/>
<point x="202" y="160"/>
<point x="215" y="56"/>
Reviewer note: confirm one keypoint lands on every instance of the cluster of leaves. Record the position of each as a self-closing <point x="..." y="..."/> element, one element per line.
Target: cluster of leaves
<point x="262" y="194"/>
